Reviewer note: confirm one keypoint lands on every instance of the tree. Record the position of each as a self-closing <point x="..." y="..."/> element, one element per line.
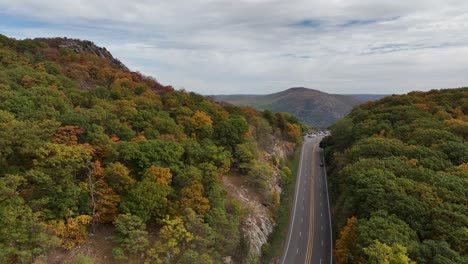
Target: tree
<point x="381" y="253"/>
<point x="388" y="229"/>
<point x="72" y="231"/>
<point x="260" y="175"/>
<point x="192" y="197"/>
<point x="231" y="132"/>
<point x="22" y="236"/>
<point x="58" y="190"/>
<point x="146" y="199"/>
<point x="439" y="252"/>
<point x="68" y="135"/>
<point x="105" y="200"/>
<point x="161" y="176"/>
<point x="191" y="256"/>
<point x="173" y="239"/>
<point x="346" y="245"/>
<point x="203" y="124"/>
<point x="203" y="234"/>
<point x="130" y="233"/>
<point x="292" y="132"/>
<point x="244" y="154"/>
<point x="118" y="177"/>
<point x="227" y="236"/>
<point x="140" y="155"/>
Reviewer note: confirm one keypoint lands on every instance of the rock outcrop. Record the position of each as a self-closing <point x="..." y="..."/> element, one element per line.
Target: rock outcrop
<point x="259" y="222"/>
<point x="80" y="46"/>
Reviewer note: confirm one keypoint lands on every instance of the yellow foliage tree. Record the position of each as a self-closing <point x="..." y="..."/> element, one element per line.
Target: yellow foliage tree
<point x="72" y="231"/>
<point x="161" y="176"/>
<point x="381" y="253"/>
<point x="201" y="118"/>
<point x="202" y="124"/>
<point x="173" y="239"/>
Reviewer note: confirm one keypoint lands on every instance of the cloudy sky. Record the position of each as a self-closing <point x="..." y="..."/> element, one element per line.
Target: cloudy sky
<point x="264" y="46"/>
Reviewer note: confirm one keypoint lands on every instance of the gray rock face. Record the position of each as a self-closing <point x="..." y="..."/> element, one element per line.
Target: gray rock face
<point x="259" y="223"/>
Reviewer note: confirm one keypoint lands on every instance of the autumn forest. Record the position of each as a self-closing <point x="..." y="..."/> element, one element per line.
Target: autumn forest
<point x="399" y="178"/>
<point x="92" y="152"/>
<point x="86" y="143"/>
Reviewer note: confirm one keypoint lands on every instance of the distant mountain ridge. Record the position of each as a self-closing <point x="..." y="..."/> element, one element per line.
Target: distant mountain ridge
<point x="312" y="107"/>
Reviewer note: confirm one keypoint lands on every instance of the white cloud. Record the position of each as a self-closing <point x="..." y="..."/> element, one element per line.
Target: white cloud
<point x="262" y="46"/>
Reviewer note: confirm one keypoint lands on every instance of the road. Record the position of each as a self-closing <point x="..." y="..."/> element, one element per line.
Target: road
<point x="309" y="235"/>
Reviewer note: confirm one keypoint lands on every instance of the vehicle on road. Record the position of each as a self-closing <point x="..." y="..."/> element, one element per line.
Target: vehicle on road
<point x="321" y="164"/>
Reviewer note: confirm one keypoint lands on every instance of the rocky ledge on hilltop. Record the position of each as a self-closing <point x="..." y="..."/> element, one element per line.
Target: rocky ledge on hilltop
<point x="84" y="46"/>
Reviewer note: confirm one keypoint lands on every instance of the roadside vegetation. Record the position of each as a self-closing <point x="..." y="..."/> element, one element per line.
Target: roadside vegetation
<point x="399" y="179"/>
<point x="274" y="248"/>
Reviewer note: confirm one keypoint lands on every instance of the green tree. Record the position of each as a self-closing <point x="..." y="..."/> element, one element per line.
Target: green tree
<point x="381" y="253"/>
<point x="118" y="177"/>
<point x="146" y="199"/>
<point x="227" y="235"/>
<point x="22" y="237"/>
<point x="231" y="132"/>
<point x="388" y="229"/>
<point x="130" y="233"/>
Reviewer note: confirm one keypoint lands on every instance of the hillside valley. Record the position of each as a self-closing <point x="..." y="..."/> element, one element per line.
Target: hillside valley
<point x="99" y="164"/>
<point x="234" y="132"/>
<point x="313" y="107"/>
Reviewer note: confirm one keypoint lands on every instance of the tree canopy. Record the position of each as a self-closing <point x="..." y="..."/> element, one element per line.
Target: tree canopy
<point x="399" y="179"/>
<point x="84" y="143"/>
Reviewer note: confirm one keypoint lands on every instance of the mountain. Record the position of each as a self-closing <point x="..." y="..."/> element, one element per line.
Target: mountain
<point x="89" y="147"/>
<point x="312" y="107"/>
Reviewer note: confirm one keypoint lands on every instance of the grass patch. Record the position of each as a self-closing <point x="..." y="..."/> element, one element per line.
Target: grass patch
<point x="274" y="247"/>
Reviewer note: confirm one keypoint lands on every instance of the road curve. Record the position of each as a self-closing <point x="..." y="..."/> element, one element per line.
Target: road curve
<point x="309" y="237"/>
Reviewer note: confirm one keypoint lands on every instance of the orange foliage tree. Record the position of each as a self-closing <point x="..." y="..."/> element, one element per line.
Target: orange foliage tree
<point x="161" y="176"/>
<point x="68" y="135"/>
<point x="346" y="244"/>
<point x="192" y="197"/>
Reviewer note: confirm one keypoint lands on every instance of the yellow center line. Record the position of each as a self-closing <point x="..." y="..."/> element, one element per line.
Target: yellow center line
<point x="310" y="242"/>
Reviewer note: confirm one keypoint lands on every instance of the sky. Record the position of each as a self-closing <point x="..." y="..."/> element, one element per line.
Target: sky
<point x="266" y="46"/>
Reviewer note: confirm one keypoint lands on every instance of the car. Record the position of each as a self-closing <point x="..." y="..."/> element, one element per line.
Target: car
<point x="321" y="164"/>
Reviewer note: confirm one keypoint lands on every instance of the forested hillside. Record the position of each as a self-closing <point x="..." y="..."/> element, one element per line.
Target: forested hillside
<point x="399" y="179"/>
<point x="84" y="143"/>
<point x="313" y="107"/>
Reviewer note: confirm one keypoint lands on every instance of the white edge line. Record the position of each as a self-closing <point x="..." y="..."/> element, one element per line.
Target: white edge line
<point x="328" y="201"/>
<point x="298" y="181"/>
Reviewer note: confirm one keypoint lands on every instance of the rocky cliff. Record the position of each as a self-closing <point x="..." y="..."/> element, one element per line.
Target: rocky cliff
<point x="259" y="222"/>
<point x="84" y="46"/>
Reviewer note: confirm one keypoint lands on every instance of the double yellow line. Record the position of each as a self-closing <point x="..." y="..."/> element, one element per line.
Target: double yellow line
<point x="310" y="242"/>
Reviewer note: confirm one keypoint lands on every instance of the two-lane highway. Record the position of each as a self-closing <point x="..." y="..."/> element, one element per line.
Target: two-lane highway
<point x="309" y="235"/>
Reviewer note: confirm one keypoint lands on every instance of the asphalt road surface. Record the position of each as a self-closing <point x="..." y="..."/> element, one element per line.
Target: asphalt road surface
<point x="309" y="234"/>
